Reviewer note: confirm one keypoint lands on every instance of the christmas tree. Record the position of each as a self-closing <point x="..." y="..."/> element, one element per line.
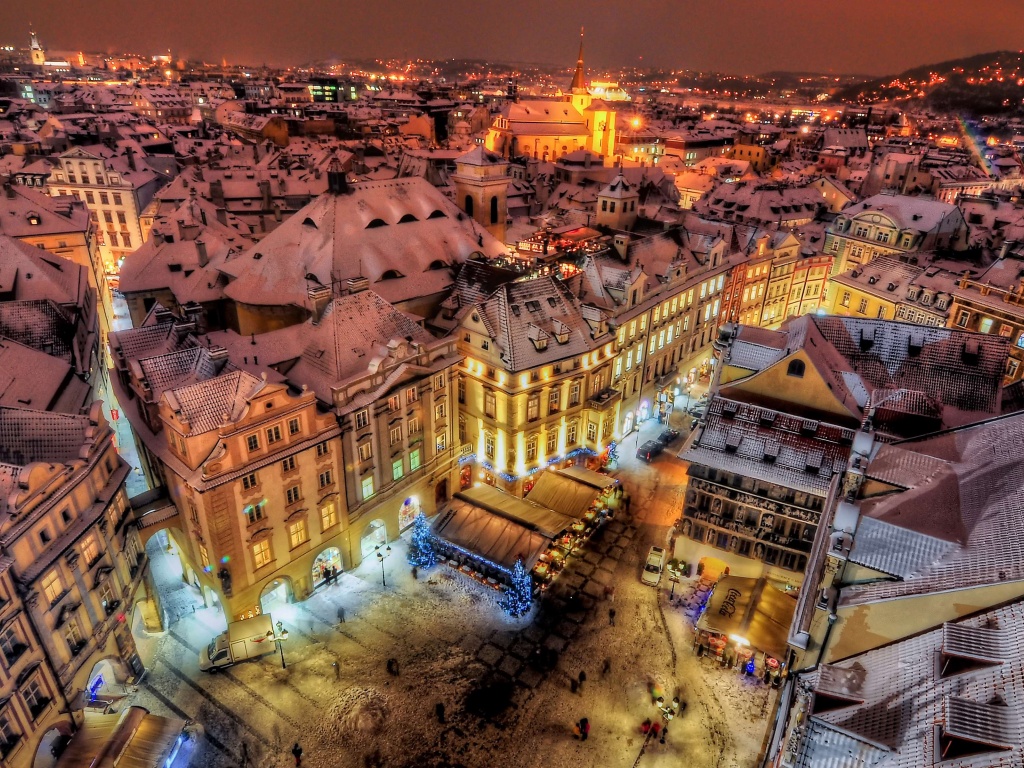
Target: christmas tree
<point x="421" y="548"/>
<point x="519" y="596"/>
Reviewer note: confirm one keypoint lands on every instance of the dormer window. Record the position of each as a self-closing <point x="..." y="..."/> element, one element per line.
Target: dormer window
<point x="34" y="219"/>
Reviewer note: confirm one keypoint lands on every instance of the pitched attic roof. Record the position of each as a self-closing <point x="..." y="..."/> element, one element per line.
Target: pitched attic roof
<point x="352" y="338"/>
<point x="402" y="235"/>
<point x="208" y="404"/>
<point x="960" y="510"/>
<point x="899" y="706"/>
<point x="543" y="303"/>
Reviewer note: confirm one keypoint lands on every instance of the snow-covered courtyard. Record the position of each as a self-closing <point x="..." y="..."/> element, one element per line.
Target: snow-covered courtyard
<point x="504" y="702"/>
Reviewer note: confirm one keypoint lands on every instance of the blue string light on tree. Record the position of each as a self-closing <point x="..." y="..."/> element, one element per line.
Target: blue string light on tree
<point x="519" y="596"/>
<point x="421" y="547"/>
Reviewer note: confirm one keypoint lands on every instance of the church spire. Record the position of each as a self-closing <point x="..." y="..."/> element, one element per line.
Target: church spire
<point x="579" y="81"/>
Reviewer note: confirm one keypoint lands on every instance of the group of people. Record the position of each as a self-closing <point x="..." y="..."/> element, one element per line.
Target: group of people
<point x="654" y="730"/>
<point x="581" y="730"/>
<point x="329" y="573"/>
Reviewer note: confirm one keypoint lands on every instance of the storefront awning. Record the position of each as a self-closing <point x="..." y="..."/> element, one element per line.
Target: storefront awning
<point x="132" y="739"/>
<point x="491" y="537"/>
<point x="564" y="494"/>
<point x="542" y="518"/>
<point x="751" y="609"/>
<point x="588" y="477"/>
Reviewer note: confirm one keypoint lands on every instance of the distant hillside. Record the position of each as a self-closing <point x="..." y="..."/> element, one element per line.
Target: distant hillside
<point x="989" y="83"/>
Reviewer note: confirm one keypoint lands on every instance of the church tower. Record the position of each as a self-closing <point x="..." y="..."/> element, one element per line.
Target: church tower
<point x="38" y="54"/>
<point x="481" y="189"/>
<point x="578" y="93"/>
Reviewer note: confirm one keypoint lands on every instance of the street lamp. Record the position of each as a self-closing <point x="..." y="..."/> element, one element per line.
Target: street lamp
<point x="380" y="557"/>
<point x="279" y="638"/>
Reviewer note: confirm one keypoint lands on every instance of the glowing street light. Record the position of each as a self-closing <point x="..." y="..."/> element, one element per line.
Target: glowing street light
<point x="380" y="557"/>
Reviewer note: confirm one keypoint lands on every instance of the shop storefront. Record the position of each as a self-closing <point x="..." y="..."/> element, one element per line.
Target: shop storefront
<point x="744" y="624"/>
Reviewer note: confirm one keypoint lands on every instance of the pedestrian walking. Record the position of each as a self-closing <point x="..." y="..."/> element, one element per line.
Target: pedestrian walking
<point x="645" y="726"/>
<point x="611" y="617"/>
<point x="341" y="614"/>
<point x="415" y="572"/>
<point x="334" y="574"/>
<point x="606" y="667"/>
<point x="337" y="670"/>
<point x="655" y="729"/>
<point x="664" y="733"/>
<point x="582" y="678"/>
<point x="297" y="753"/>
<point x="584" y="729"/>
<point x="439" y="711"/>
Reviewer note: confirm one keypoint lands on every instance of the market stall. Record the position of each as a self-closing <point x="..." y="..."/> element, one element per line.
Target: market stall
<point x="745" y="624"/>
<point x="133" y="738"/>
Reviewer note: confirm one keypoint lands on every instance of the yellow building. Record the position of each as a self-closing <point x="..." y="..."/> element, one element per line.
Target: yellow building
<point x="72" y="549"/>
<point x="546" y="130"/>
<point x="267" y="479"/>
<point x="535" y="384"/>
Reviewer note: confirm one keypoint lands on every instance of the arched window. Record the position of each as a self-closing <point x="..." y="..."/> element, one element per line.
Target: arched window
<point x="437" y="264"/>
<point x="376" y="223"/>
<point x="796" y="368"/>
<point x="468" y="207"/>
<point x="494" y="210"/>
<point x="391" y="274"/>
<point x="407" y="218"/>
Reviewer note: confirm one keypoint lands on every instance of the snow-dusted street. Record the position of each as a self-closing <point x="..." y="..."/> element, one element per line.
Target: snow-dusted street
<point x="454" y="646"/>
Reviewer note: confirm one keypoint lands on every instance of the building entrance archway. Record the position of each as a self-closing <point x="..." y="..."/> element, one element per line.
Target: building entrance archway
<point x="375" y="535"/>
<point x="325" y="561"/>
<point x="276" y="593"/>
<point x="52" y="746"/>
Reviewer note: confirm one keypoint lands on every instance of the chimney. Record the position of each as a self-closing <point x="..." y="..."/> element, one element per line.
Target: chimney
<point x="337" y="184"/>
<point x="9" y="189"/>
<point x="131" y="158"/>
<point x="586" y="160"/>
<point x="265" y="195"/>
<point x="319" y="297"/>
<point x="217" y="193"/>
<point x="222" y="216"/>
<point x="204" y="259"/>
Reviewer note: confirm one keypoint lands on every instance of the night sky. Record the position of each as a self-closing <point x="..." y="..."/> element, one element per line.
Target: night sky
<point x="738" y="36"/>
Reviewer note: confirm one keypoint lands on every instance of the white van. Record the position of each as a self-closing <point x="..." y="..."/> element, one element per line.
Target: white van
<point x="246" y="639"/>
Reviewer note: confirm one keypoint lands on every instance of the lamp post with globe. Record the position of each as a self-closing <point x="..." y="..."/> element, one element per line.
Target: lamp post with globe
<point x="381" y="555"/>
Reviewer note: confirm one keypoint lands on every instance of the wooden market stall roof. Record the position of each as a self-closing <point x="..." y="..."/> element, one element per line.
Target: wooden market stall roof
<point x="589" y="477"/>
<point x="752" y="609"/>
<point x="565" y="493"/>
<point x="496" y="538"/>
<point x="131" y="739"/>
<point x="545" y="520"/>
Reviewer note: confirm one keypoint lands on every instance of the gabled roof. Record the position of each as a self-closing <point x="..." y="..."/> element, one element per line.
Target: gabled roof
<point x="898" y="707"/>
<point x="542" y="302"/>
<point x="958" y="522"/>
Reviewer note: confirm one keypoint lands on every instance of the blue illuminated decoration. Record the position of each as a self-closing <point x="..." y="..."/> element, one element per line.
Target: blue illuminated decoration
<point x="750" y="667"/>
<point x="519" y="596"/>
<point x="510" y="478"/>
<point x="421" y="547"/>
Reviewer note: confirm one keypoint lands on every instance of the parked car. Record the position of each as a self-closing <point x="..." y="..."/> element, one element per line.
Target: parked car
<point x="245" y="639"/>
<point x="652" y="568"/>
<point x="667" y="436"/>
<point x="649" y="450"/>
<point x="698" y="410"/>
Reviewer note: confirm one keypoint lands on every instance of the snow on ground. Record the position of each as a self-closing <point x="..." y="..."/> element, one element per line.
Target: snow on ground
<point x="454" y="646"/>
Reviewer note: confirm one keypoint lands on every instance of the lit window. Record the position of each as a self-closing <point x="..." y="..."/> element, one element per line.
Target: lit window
<point x="90" y="550"/>
<point x="412" y="395"/>
<point x="439" y="381"/>
<point x="52" y="586"/>
<point x="592" y="432"/>
<point x="414" y="460"/>
<point x="394" y="403"/>
<point x="570" y="434"/>
<point x="261" y="553"/>
<point x="297" y="533"/>
<point x="397" y="469"/>
<point x="367" y="487"/>
<point x="439" y="411"/>
<point x="985" y="326"/>
<point x="441" y="441"/>
<point x="552" y="442"/>
<point x="328" y="515"/>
